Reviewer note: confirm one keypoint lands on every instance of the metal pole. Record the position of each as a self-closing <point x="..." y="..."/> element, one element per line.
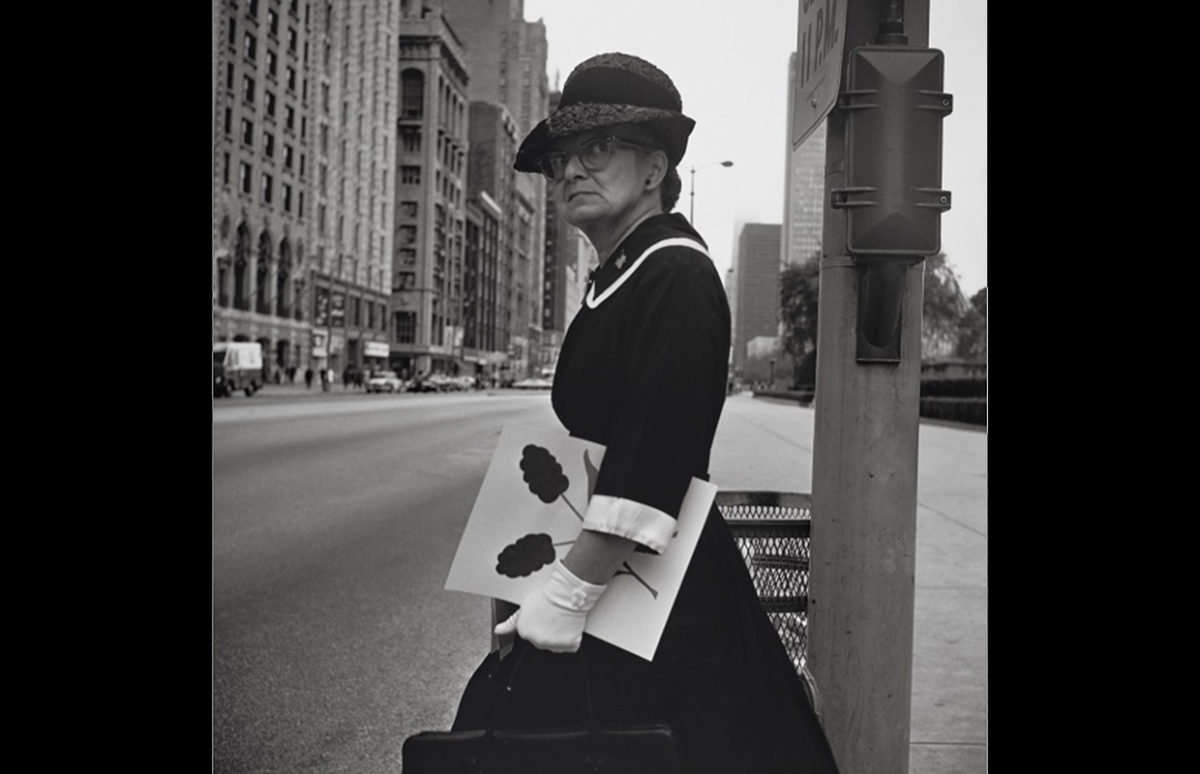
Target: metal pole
<point x="864" y="485"/>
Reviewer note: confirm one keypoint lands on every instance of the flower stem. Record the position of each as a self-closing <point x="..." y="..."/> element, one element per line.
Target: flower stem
<point x="572" y="507"/>
<point x="629" y="570"/>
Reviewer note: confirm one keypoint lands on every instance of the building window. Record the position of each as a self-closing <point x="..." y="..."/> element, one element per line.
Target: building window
<point x="270" y="103"/>
<point x="320" y="220"/>
<point x="408" y="235"/>
<point x="245" y="173"/>
<point x="228" y="122"/>
<point x="410" y="138"/>
<point x="287" y="197"/>
<point x="287" y="156"/>
<point x="406" y="327"/>
<point x="408" y="256"/>
<point x="289" y="118"/>
<point x="225" y="172"/>
<point x="271" y="61"/>
<point x="247" y="88"/>
<point x="410" y="175"/>
<point x="323" y="177"/>
<point x="247" y="132"/>
<point x="301" y="165"/>
<point x="325" y="97"/>
<point x="229" y="76"/>
<point x="292" y="39"/>
<point x="272" y="22"/>
<point x="267" y="185"/>
<point x="252" y="10"/>
<point x="233" y="34"/>
<point x="291" y="78"/>
<point x="300" y="208"/>
<point x="412" y="94"/>
<point x="408" y="209"/>
<point x="303" y="127"/>
<point x="250" y="46"/>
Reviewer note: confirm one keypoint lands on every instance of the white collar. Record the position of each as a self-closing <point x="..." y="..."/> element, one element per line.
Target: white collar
<point x="594" y="301"/>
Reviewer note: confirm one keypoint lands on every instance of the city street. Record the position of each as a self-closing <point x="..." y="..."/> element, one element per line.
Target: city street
<point x="335" y="519"/>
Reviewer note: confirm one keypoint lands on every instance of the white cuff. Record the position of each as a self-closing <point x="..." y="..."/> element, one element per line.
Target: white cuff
<point x="629" y="519"/>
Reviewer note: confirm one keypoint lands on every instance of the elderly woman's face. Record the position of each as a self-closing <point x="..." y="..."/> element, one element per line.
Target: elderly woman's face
<point x="601" y="178"/>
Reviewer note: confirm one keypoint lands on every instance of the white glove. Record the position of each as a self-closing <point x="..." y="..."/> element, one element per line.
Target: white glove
<point x="552" y="616"/>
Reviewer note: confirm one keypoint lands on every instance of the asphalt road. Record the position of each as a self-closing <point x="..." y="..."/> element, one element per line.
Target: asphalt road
<point x="335" y="519"/>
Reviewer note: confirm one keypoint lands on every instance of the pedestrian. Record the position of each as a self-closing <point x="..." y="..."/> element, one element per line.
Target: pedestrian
<point x="643" y="370"/>
<point x="308" y="377"/>
<point x="291" y="374"/>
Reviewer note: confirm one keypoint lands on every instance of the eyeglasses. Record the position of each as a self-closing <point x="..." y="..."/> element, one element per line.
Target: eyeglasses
<point x="593" y="153"/>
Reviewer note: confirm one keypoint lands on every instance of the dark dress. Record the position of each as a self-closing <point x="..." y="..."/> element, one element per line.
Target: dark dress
<point x="644" y="373"/>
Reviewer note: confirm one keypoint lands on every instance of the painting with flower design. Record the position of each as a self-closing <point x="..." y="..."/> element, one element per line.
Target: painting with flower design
<point x="528" y="513"/>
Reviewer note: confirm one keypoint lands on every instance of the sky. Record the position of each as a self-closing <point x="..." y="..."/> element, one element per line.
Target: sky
<point x="731" y="68"/>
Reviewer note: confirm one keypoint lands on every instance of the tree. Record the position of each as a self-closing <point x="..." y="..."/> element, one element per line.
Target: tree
<point x="972" y="334"/>
<point x="942" y="309"/>
<point x="799" y="290"/>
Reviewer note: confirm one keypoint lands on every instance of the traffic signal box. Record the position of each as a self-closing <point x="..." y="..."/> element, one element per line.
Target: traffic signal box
<point x="894" y="106"/>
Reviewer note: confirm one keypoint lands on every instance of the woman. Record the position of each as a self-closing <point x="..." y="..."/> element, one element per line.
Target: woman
<point x="643" y="371"/>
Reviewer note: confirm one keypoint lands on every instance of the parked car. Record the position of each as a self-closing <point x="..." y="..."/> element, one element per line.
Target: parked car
<point x="421" y="383"/>
<point x="385" y="381"/>
<point x="533" y="384"/>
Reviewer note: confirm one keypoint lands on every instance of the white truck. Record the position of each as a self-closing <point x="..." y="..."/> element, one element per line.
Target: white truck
<point x="237" y="365"/>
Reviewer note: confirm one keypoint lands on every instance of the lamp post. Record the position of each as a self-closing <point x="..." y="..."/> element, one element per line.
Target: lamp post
<point x="692" y="198"/>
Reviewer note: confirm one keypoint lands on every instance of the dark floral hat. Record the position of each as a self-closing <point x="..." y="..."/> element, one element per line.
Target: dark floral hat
<point x="606" y="90"/>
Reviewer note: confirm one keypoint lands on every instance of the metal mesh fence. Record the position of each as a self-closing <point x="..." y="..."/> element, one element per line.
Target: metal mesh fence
<point x="772" y="531"/>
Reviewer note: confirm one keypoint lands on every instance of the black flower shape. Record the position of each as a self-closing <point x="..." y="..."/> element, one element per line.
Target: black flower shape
<point x="528" y="555"/>
<point x="543" y="473"/>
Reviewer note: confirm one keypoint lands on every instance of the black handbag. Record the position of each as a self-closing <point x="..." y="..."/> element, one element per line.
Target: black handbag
<point x="647" y="748"/>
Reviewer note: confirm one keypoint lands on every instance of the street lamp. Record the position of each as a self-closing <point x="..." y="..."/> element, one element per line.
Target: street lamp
<point x="692" y="202"/>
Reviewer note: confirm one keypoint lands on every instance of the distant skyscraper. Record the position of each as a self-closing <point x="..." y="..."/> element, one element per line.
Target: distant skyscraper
<point x="756" y="268"/>
<point x="804" y="187"/>
<point x="507" y="61"/>
<point x="431" y="193"/>
<point x="491" y="191"/>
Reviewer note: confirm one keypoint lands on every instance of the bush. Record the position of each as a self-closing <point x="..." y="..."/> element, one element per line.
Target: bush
<point x="954" y="388"/>
<point x="972" y="411"/>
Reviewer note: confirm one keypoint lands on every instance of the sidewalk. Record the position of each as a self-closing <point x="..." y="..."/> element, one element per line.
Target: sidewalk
<point x="767" y="444"/>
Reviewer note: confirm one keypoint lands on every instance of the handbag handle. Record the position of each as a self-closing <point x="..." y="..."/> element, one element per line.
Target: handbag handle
<point x="595" y="755"/>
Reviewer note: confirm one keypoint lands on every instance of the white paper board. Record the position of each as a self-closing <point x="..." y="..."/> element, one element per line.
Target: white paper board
<point x="526" y="517"/>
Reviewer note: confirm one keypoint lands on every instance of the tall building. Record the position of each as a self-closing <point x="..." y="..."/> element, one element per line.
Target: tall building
<point x="804" y="187"/>
<point x="568" y="258"/>
<point x="757" y="287"/>
<point x="430" y="183"/>
<point x="507" y="61"/>
<point x="354" y="45"/>
<point x="491" y="197"/>
<point x="302" y="196"/>
<point x="263" y="168"/>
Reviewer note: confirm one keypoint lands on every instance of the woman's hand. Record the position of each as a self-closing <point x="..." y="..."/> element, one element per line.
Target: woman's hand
<point x="552" y="616"/>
